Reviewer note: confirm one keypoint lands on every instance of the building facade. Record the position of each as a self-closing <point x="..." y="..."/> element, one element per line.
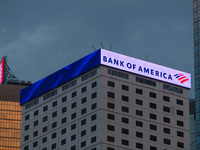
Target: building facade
<point x="10" y="117"/>
<point x="96" y="104"/>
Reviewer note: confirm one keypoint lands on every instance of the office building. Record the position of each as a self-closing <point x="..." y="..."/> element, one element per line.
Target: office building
<point x="107" y="101"/>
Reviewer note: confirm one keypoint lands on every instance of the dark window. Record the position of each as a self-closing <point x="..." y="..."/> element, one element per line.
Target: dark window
<point x="125" y="87"/>
<point x="152" y="105"/>
<point x="125" y="98"/>
<point x="139" y="134"/>
<point x="53" y="146"/>
<point x="125" y="120"/>
<point x="83" y="144"/>
<point x="45" y="108"/>
<point x="166" y="98"/>
<point x="139" y="123"/>
<point x="145" y="81"/>
<point x="53" y="136"/>
<point x="125" y="131"/>
<point x="110" y="116"/>
<point x="180" y="123"/>
<point x="83" y="111"/>
<point x="151" y="94"/>
<point x="111" y="105"/>
<point x="93" y="128"/>
<point x="64" y="120"/>
<point x="89" y="75"/>
<point x="153" y="127"/>
<point x="44" y="129"/>
<point x="139" y="145"/>
<point x="63" y="142"/>
<point x="167" y="141"/>
<point x="179" y="102"/>
<point x="54" y="104"/>
<point x="44" y="140"/>
<point x="26" y="138"/>
<point x="73" y="116"/>
<point x="35" y="133"/>
<point x="111" y="95"/>
<point x="64" y="99"/>
<point x="94" y="84"/>
<point x="64" y="109"/>
<point x="63" y="131"/>
<point x="84" y="89"/>
<point x="125" y="142"/>
<point x="26" y="127"/>
<point x="94" y="148"/>
<point x="54" y="114"/>
<point x="83" y="122"/>
<point x="153" y="138"/>
<point x="111" y="84"/>
<point x="110" y="139"/>
<point x="54" y="125"/>
<point x="35" y="144"/>
<point x="93" y="117"/>
<point x="26" y="147"/>
<point x="180" y="134"/>
<point x="73" y="94"/>
<point x="73" y="137"/>
<point x="93" y="106"/>
<point x="110" y="148"/>
<point x="139" y="91"/>
<point x="165" y="119"/>
<point x="166" y="109"/>
<point x="51" y="94"/>
<point x="27" y="117"/>
<point x="139" y="112"/>
<point x="166" y="130"/>
<point x="153" y="148"/>
<point x="83" y="133"/>
<point x="179" y="112"/>
<point x="83" y="100"/>
<point x="73" y="126"/>
<point x="36" y="113"/>
<point x="172" y="88"/>
<point x="45" y="118"/>
<point x="125" y="109"/>
<point x="180" y="144"/>
<point x="110" y="128"/>
<point x="94" y="95"/>
<point x="139" y="102"/>
<point x="152" y="116"/>
<point x="73" y="147"/>
<point x="118" y="74"/>
<point x="44" y="148"/>
<point x="93" y="139"/>
<point x="73" y="105"/>
<point x="35" y="123"/>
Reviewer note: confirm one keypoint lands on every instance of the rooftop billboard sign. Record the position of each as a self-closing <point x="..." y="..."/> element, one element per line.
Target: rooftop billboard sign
<point x="107" y="58"/>
<point x="1" y="70"/>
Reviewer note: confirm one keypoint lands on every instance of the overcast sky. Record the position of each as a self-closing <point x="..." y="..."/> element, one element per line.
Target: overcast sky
<point x="42" y="36"/>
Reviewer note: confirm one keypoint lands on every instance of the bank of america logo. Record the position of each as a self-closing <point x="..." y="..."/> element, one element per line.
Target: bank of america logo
<point x="181" y="77"/>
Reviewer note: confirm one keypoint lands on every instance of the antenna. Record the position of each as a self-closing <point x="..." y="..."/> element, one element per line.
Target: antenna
<point x="102" y="45"/>
<point x="93" y="48"/>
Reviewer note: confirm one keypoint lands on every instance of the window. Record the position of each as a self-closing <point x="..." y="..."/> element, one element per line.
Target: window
<point x="53" y="146"/>
<point x="64" y="120"/>
<point x="27" y="117"/>
<point x="151" y="94"/>
<point x="110" y="128"/>
<point x="44" y="140"/>
<point x="153" y="127"/>
<point x="179" y="102"/>
<point x="110" y="116"/>
<point x="166" y="109"/>
<point x="125" y="131"/>
<point x="26" y="138"/>
<point x="49" y="95"/>
<point x="73" y="147"/>
<point x="35" y="144"/>
<point x="93" y="106"/>
<point x="110" y="139"/>
<point x="64" y="109"/>
<point x="179" y="112"/>
<point x="166" y="130"/>
<point x="111" y="95"/>
<point x="54" y="104"/>
<point x="93" y="139"/>
<point x="45" y="108"/>
<point x="125" y="98"/>
<point x="73" y="105"/>
<point x="63" y="131"/>
<point x="152" y="116"/>
<point x="83" y="100"/>
<point x="83" y="122"/>
<point x="125" y="109"/>
<point x="139" y="134"/>
<point x="125" y="142"/>
<point x="44" y="129"/>
<point x="167" y="141"/>
<point x="139" y="123"/>
<point x="165" y="119"/>
<point x="89" y="75"/>
<point x="54" y="135"/>
<point x="153" y="138"/>
<point x="54" y="114"/>
<point x="83" y="144"/>
<point x="69" y="85"/>
<point x="84" y="89"/>
<point x="94" y="95"/>
<point x="180" y="123"/>
<point x="63" y="142"/>
<point x="145" y="81"/>
<point x="166" y="98"/>
<point x="83" y="111"/>
<point x="125" y="120"/>
<point x="73" y="94"/>
<point x="118" y="74"/>
<point x="64" y="99"/>
<point x="153" y="148"/>
<point x="26" y="147"/>
<point x="139" y="91"/>
<point x="35" y="123"/>
<point x="111" y="105"/>
<point x="73" y="126"/>
<point x="125" y="87"/>
<point x="93" y="117"/>
<point x="26" y="127"/>
<point x="180" y="144"/>
<point x="73" y="116"/>
<point x="32" y="103"/>
<point x="73" y="137"/>
<point x="152" y="105"/>
<point x="93" y="128"/>
<point x="35" y="133"/>
<point x="44" y="148"/>
<point x="139" y="145"/>
<point x="111" y="84"/>
<point x="173" y="89"/>
<point x="83" y="133"/>
<point x="180" y="134"/>
<point x="139" y="112"/>
<point x="94" y="84"/>
<point x="45" y="118"/>
<point x="110" y="148"/>
<point x="54" y="125"/>
<point x="139" y="102"/>
<point x="36" y="113"/>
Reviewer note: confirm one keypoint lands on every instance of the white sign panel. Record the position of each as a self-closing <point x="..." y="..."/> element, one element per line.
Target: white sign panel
<point x="145" y="68"/>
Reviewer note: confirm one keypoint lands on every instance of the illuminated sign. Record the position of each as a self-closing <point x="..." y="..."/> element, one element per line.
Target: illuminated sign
<point x="108" y="58"/>
<point x="1" y="70"/>
<point x="145" y="68"/>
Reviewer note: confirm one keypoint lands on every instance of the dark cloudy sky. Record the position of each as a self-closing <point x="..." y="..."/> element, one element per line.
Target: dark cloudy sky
<point x="42" y="36"/>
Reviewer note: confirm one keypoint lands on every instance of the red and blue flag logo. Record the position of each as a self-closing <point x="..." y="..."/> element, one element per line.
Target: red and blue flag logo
<point x="181" y="77"/>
